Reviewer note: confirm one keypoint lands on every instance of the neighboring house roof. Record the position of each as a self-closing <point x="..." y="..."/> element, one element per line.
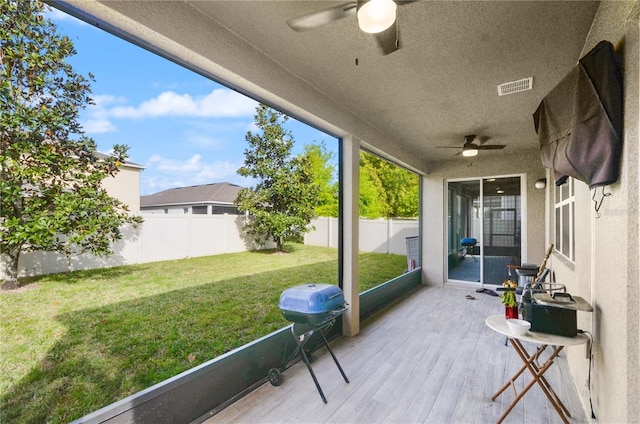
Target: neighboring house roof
<point x="206" y="193"/>
<point x="125" y="163"/>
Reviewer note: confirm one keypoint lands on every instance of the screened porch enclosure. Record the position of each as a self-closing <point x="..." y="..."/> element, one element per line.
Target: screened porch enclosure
<point x="312" y="75"/>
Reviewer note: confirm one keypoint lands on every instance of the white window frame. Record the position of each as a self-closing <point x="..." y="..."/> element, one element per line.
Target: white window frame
<point x="559" y="203"/>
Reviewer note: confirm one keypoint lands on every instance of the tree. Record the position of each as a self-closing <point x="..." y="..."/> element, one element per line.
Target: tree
<point x="370" y="202"/>
<point x="398" y="190"/>
<point x="324" y="175"/>
<point x="51" y="194"/>
<point x="283" y="201"/>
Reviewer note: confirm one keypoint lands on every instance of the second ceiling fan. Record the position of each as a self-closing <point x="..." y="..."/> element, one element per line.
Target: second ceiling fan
<point x="469" y="148"/>
<point x="377" y="17"/>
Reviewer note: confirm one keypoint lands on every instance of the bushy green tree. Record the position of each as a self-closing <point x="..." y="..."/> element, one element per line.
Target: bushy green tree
<point x="324" y="175"/>
<point x="397" y="189"/>
<point x="371" y="201"/>
<point x="51" y="194"/>
<point x="282" y="203"/>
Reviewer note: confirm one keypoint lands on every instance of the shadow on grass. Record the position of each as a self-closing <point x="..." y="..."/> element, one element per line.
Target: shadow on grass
<point x="287" y="248"/>
<point x="101" y="274"/>
<point x="111" y="352"/>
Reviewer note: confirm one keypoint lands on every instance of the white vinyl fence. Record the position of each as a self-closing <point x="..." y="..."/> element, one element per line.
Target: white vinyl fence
<point x="170" y="237"/>
<point x="159" y="238"/>
<point x="376" y="235"/>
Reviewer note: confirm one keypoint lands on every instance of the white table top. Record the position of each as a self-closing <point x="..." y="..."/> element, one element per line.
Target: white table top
<point x="498" y="323"/>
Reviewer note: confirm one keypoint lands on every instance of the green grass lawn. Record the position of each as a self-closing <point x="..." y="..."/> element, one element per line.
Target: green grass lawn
<point x="75" y="342"/>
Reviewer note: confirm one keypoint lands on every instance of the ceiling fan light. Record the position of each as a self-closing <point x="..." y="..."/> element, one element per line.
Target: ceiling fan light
<point x="376" y="15"/>
<point x="469" y="151"/>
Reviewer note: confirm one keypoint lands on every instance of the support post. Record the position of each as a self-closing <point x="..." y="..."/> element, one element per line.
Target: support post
<point x="350" y="150"/>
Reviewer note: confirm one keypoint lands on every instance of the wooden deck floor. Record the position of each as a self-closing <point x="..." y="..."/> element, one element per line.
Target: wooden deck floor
<point x="427" y="359"/>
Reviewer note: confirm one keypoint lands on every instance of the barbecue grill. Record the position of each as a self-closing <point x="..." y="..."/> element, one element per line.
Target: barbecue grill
<point x="313" y="309"/>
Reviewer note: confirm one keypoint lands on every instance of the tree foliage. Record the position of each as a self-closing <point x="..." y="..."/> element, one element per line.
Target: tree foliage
<point x="387" y="190"/>
<point x="51" y="194"/>
<point x="283" y="201"/>
<point x="324" y="176"/>
<point x="371" y="202"/>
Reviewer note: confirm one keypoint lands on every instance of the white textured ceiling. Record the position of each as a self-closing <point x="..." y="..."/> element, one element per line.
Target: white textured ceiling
<point x="439" y="87"/>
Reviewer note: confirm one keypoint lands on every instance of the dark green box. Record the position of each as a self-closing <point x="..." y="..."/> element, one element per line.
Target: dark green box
<point x="550" y="320"/>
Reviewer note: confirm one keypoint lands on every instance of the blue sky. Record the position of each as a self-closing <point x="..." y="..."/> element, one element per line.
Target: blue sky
<point x="183" y="128"/>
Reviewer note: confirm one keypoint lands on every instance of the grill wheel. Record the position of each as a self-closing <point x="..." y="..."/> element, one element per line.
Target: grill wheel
<point x="275" y="377"/>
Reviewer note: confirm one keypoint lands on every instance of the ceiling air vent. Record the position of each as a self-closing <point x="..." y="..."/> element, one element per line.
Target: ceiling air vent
<point x="515" y="86"/>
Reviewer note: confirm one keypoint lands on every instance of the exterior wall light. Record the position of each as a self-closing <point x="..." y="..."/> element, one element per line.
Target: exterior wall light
<point x="541" y="183"/>
<point x="376" y="15"/>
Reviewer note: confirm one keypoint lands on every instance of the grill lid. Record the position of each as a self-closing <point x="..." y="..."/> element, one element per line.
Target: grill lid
<point x="311" y="298"/>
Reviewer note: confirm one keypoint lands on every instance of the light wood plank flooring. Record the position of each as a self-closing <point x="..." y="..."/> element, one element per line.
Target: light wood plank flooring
<point x="429" y="358"/>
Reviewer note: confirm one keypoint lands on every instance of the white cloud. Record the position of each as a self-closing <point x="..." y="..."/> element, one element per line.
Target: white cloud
<point x="97" y="121"/>
<point x="162" y="173"/>
<point x="98" y="126"/>
<point x="104" y="100"/>
<point x="205" y="141"/>
<point x="220" y="103"/>
<point x="172" y="165"/>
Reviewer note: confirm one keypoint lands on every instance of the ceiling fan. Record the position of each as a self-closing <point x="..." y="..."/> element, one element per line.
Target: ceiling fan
<point x="469" y="148"/>
<point x="377" y="17"/>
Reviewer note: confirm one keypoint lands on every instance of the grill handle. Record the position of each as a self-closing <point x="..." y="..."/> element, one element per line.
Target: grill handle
<point x="339" y="311"/>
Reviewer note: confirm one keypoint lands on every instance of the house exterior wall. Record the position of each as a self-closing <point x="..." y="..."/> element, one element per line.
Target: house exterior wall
<point x="212" y="209"/>
<point x="484" y="165"/>
<point x="606" y="267"/>
<point x="125" y="186"/>
<point x="164" y="210"/>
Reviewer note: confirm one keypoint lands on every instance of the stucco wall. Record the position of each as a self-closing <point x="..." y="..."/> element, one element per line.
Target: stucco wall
<point x="486" y="164"/>
<point x="125" y="186"/>
<point x="605" y="271"/>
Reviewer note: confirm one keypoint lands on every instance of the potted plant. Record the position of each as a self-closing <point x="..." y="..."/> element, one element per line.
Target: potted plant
<point x="508" y="299"/>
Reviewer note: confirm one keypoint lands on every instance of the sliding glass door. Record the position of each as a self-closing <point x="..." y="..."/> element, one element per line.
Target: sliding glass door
<point x="465" y="231"/>
<point x="484" y="229"/>
<point x="502" y="240"/>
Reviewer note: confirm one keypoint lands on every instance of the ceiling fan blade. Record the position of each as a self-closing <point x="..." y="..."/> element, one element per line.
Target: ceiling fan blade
<point x="492" y="147"/>
<point x="322" y="17"/>
<point x="389" y="39"/>
<point x="448" y="147"/>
